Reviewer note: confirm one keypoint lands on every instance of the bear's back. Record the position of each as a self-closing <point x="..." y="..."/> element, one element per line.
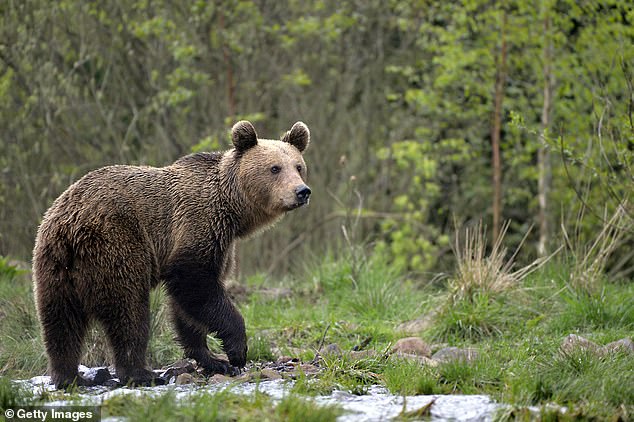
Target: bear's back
<point x="133" y="202"/>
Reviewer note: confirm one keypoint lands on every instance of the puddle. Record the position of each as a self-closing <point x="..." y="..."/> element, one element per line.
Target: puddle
<point x="377" y="405"/>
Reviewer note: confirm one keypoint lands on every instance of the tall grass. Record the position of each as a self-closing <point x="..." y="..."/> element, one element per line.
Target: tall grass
<point x="590" y="258"/>
<point x="483" y="299"/>
<point x="479" y="270"/>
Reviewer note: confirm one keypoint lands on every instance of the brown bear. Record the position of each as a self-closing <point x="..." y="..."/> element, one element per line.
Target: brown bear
<point x="121" y="230"/>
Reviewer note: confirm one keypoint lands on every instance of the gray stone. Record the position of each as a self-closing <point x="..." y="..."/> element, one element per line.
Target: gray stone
<point x="286" y="359"/>
<point x="245" y="377"/>
<point x="308" y="369"/>
<point x="573" y="342"/>
<point x="218" y="378"/>
<point x="412" y="345"/>
<point x="451" y="354"/>
<point x="184" y="379"/>
<point x="625" y="345"/>
<point x="113" y="383"/>
<point x="269" y="374"/>
<point x="99" y="376"/>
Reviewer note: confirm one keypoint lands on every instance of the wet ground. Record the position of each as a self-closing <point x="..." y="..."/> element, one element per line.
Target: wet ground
<point x="377" y="405"/>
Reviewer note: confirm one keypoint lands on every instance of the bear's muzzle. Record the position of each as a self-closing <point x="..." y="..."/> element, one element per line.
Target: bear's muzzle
<point x="302" y="193"/>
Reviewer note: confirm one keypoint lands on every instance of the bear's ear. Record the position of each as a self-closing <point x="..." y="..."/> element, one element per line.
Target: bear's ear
<point x="298" y="136"/>
<point x="243" y="136"/>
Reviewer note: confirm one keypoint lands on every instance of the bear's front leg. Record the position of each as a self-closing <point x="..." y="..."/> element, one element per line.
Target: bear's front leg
<point x="192" y="336"/>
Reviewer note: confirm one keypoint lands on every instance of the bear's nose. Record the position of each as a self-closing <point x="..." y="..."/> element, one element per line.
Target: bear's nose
<point x="303" y="193"/>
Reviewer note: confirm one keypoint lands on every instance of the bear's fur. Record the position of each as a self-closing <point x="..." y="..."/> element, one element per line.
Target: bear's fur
<point x="121" y="230"/>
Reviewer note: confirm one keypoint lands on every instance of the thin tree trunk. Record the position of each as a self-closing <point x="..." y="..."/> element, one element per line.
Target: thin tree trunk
<point x="543" y="154"/>
<point x="500" y="81"/>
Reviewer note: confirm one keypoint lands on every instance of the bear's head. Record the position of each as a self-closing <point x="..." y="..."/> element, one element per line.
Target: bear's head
<point x="272" y="173"/>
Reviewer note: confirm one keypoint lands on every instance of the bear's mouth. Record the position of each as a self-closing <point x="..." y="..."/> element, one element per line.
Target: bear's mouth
<point x="298" y="204"/>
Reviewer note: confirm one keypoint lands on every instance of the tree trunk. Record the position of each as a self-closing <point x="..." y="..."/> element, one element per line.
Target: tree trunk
<point x="543" y="154"/>
<point x="500" y="81"/>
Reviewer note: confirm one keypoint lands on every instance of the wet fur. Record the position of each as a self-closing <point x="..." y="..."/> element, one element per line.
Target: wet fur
<point x="121" y="230"/>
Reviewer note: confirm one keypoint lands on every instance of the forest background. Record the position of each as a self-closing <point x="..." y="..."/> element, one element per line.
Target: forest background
<point x="424" y="115"/>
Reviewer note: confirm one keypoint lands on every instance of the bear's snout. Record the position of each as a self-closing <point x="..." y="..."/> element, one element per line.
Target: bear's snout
<point x="303" y="194"/>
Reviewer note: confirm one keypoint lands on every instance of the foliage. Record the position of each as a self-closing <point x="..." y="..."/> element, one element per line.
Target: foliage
<point x="409" y="240"/>
<point x="398" y="95"/>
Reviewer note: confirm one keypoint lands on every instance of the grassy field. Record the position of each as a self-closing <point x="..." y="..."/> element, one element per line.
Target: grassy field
<point x="516" y="319"/>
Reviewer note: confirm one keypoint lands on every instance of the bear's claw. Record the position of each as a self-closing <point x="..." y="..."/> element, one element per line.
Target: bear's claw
<point x="217" y="366"/>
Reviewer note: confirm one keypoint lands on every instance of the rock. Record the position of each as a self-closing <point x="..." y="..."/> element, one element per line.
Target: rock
<point x="184" y="366"/>
<point x="218" y="378"/>
<point x="452" y="354"/>
<point x="113" y="383"/>
<point x="184" y="379"/>
<point x="625" y="345"/>
<point x="99" y="376"/>
<point x="245" y="377"/>
<point x="269" y="374"/>
<point x="308" y="369"/>
<point x="282" y="360"/>
<point x="574" y="342"/>
<point x="412" y="345"/>
<point x="332" y="350"/>
<point x="284" y="364"/>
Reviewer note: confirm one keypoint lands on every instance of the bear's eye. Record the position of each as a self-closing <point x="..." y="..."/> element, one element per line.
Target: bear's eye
<point x="276" y="169"/>
<point x="299" y="168"/>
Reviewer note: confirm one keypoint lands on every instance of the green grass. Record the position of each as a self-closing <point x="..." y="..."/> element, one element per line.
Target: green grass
<point x="517" y="329"/>
<point x="12" y="395"/>
<point x="221" y="406"/>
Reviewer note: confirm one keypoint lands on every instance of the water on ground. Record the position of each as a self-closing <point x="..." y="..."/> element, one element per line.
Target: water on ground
<point x="377" y="405"/>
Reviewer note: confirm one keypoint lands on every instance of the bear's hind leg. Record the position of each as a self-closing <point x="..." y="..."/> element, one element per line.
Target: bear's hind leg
<point x="64" y="325"/>
<point x="127" y="326"/>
